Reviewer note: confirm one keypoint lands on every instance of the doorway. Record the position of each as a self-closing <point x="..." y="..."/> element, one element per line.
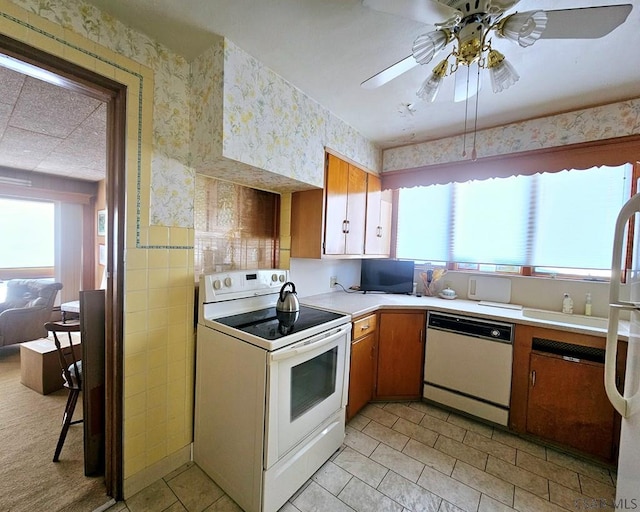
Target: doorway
<point x="45" y="66"/>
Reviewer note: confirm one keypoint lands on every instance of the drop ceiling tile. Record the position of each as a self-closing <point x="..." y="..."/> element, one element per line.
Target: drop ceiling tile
<point x="24" y="163"/>
<point x="51" y="130"/>
<point x="23" y="149"/>
<point x="71" y="171"/>
<point x="51" y="110"/>
<point x="70" y="163"/>
<point x="10" y="85"/>
<point x="84" y="149"/>
<point x="5" y="113"/>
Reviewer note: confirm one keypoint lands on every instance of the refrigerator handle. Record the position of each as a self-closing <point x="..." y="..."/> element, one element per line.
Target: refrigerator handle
<point x="619" y="403"/>
<point x="625" y="406"/>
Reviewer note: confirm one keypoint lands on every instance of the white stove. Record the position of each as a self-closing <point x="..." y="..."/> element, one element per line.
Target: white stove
<point x="242" y="303"/>
<point x="271" y="388"/>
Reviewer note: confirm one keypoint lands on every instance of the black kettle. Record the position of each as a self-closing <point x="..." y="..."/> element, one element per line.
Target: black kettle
<point x="288" y="300"/>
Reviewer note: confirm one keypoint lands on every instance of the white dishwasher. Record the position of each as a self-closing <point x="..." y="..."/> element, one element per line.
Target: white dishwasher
<point x="468" y="365"/>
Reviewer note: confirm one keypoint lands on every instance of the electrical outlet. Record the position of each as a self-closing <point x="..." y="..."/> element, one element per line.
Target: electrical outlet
<point x="333" y="280"/>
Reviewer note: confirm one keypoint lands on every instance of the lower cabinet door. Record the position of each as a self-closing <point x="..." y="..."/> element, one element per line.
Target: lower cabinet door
<point x="568" y="404"/>
<point x="362" y="373"/>
<point x="400" y="355"/>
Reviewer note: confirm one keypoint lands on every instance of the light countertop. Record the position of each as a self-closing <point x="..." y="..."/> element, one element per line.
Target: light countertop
<point x="358" y="304"/>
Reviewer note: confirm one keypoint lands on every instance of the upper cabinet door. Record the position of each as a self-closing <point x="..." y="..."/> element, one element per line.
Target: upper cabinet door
<point x="386" y="212"/>
<point x="378" y="228"/>
<point x="356" y="210"/>
<point x="331" y="222"/>
<point x="372" y="237"/>
<point x="336" y="188"/>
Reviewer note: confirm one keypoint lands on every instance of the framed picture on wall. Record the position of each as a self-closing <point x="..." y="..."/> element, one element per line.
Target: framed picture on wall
<point x="102" y="222"/>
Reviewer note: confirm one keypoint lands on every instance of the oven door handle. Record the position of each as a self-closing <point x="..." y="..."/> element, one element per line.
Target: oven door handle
<point x="310" y="344"/>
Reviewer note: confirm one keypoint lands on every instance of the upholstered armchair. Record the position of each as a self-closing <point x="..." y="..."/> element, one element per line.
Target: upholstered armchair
<point x="27" y="308"/>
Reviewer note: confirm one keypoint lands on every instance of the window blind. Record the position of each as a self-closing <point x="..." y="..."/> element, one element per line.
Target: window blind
<point x="425" y="229"/>
<point x="490" y="221"/>
<point x="563" y="219"/>
<point x="575" y="214"/>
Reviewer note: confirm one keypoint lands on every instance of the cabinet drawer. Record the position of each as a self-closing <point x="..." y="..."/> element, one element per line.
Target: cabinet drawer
<point x="364" y="326"/>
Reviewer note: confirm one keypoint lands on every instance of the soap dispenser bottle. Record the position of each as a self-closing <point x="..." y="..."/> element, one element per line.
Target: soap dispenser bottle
<point x="587" y="305"/>
<point x="567" y="304"/>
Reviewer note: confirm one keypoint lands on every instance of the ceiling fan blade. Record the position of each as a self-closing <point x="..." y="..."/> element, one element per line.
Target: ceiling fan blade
<point x="503" y="5"/>
<point x="586" y="22"/>
<point x="388" y="74"/>
<point x="425" y="11"/>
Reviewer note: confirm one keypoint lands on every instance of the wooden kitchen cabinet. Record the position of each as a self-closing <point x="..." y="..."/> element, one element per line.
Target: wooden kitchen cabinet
<point x="346" y="192"/>
<point x="568" y="404"/>
<point x="331" y="222"/>
<point x="362" y="368"/>
<point x="401" y="337"/>
<point x="557" y="391"/>
<point x="377" y="240"/>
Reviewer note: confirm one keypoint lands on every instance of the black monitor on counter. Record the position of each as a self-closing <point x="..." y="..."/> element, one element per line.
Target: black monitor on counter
<point x="389" y="276"/>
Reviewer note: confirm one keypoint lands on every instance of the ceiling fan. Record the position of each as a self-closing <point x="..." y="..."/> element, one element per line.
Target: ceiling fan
<point x="469" y="25"/>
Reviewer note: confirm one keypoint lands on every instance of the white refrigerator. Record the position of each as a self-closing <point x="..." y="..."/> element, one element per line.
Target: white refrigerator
<point x="627" y="403"/>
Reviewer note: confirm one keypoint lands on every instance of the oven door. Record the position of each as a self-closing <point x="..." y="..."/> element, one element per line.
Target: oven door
<point x="308" y="383"/>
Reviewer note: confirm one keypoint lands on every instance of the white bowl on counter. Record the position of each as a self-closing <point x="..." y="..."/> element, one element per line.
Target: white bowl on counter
<point x="447" y="293"/>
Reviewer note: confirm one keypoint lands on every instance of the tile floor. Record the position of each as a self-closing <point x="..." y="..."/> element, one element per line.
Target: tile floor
<point x="402" y="457"/>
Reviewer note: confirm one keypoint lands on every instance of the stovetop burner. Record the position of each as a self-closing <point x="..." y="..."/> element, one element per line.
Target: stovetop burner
<point x="270" y="324"/>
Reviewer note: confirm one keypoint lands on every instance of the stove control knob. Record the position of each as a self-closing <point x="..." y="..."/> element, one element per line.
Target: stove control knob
<point x="274" y="277"/>
<point x="217" y="284"/>
<point x="228" y="282"/>
<point x="282" y="278"/>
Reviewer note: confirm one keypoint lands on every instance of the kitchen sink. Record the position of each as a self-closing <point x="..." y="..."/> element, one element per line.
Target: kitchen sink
<point x="556" y="316"/>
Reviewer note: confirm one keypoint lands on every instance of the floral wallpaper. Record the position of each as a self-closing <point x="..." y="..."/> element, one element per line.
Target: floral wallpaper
<point x="206" y="106"/>
<point x="268" y="123"/>
<point x="604" y="122"/>
<point x="253" y="127"/>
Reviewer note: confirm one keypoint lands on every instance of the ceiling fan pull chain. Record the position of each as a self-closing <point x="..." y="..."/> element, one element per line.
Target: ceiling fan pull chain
<point x="466" y="117"/>
<point x="474" y="153"/>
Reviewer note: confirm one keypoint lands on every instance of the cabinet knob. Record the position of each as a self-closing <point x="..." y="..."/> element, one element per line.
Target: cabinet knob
<point x="364" y="327"/>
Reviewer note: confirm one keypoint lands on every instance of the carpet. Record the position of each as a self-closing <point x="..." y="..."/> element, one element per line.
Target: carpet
<point x="29" y="428"/>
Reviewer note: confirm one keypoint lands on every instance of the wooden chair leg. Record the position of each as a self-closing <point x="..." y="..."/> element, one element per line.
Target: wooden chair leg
<point x="66" y="421"/>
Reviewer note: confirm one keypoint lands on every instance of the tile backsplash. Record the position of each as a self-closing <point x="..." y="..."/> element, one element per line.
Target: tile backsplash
<point x="235" y="227"/>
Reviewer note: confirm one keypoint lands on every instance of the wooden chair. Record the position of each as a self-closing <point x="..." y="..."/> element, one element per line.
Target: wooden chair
<point x="71" y="373"/>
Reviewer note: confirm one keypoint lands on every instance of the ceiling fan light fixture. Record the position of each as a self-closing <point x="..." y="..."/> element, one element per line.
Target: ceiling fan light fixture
<point x="524" y="28"/>
<point x="430" y="87"/>
<point x="503" y="74"/>
<point x="426" y="46"/>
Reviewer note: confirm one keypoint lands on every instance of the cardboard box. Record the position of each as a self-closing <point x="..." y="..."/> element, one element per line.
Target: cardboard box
<point x="40" y="365"/>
